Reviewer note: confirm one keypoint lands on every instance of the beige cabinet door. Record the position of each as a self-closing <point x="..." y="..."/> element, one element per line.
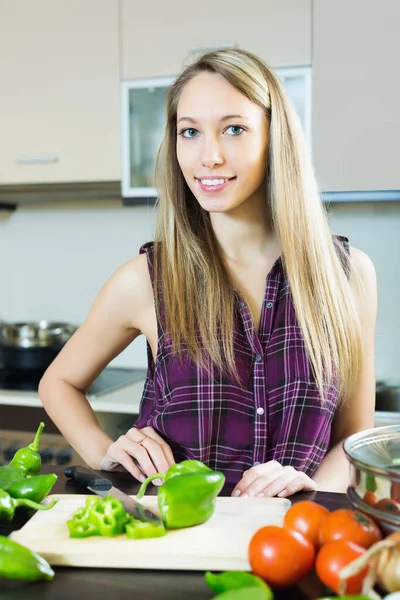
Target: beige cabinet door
<point x="59" y="90"/>
<point x="356" y="94"/>
<point x="158" y="36"/>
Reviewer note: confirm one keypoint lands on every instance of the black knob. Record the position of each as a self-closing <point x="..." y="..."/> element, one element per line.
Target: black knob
<point x="64" y="457"/>
<point x="46" y="455"/>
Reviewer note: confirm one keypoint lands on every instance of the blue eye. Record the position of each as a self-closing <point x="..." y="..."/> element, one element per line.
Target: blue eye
<point x="236" y="129"/>
<point x="189" y="133"/>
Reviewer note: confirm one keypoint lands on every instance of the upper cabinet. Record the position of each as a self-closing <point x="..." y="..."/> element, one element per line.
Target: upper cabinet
<point x="59" y="80"/>
<point x="156" y="39"/>
<point x="356" y="94"/>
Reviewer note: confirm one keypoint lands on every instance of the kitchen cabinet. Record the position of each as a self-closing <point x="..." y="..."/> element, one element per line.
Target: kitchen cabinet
<point x="356" y="94"/>
<point x="157" y="43"/>
<point x="59" y="79"/>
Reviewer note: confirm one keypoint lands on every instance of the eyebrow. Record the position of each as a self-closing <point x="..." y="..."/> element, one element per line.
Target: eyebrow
<point x="226" y="118"/>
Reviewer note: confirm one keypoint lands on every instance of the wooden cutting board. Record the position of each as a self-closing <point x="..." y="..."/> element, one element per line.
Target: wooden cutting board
<point x="219" y="544"/>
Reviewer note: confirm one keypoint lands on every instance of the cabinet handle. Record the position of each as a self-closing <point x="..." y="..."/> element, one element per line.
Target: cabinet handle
<point x="36" y="160"/>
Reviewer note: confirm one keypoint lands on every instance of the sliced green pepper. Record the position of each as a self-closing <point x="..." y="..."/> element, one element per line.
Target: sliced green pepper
<point x="232" y="580"/>
<point x="28" y="459"/>
<point x="100" y="516"/>
<point x="81" y="529"/>
<point x="108" y="516"/>
<point x="34" y="488"/>
<point x="187" y="496"/>
<point x="20" y="563"/>
<point x="136" y="529"/>
<point x="8" y="504"/>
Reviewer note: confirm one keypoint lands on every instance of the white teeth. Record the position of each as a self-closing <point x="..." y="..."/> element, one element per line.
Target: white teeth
<point x="213" y="181"/>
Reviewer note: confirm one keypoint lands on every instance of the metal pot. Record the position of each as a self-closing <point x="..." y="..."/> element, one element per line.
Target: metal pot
<point x="388" y="396"/>
<point x="32" y="345"/>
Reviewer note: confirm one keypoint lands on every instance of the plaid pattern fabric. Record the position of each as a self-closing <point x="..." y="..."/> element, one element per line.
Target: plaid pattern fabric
<point x="276" y="415"/>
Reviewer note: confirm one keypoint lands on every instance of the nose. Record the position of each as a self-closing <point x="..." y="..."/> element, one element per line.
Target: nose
<point x="212" y="153"/>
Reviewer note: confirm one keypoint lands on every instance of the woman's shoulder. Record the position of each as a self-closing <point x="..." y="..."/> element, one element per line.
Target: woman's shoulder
<point x="363" y="266"/>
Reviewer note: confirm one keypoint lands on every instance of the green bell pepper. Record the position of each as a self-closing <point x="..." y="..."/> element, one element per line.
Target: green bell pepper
<point x="34" y="488"/>
<point x="187" y="496"/>
<point x="20" y="563"/>
<point x="8" y="504"/>
<point x="233" y="580"/>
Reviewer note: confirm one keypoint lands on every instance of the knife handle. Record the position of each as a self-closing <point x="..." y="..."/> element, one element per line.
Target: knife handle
<point x="86" y="477"/>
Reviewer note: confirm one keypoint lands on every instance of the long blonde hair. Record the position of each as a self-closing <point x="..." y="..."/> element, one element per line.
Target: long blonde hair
<point x="189" y="271"/>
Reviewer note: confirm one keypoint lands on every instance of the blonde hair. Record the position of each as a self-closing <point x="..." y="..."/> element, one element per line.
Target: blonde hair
<point x="189" y="271"/>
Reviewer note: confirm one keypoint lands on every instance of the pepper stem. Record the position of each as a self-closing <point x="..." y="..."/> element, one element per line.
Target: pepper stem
<point x="34" y="446"/>
<point x="35" y="505"/>
<point x="146" y="482"/>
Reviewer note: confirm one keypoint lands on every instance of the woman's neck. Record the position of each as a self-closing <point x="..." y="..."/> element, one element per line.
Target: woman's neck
<point x="245" y="234"/>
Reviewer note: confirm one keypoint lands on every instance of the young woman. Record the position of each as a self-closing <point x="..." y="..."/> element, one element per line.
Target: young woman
<point x="259" y="323"/>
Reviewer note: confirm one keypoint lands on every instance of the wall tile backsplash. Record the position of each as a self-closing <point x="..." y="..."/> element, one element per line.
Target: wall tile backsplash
<point x="55" y="258"/>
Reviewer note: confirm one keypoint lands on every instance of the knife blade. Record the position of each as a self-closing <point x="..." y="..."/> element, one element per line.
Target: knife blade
<point x="104" y="487"/>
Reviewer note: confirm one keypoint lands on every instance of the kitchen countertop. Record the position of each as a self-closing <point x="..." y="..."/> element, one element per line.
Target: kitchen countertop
<point x="124" y="584"/>
<point x="124" y="400"/>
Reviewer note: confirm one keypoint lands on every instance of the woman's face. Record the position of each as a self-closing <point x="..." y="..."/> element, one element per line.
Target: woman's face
<point x="222" y="143"/>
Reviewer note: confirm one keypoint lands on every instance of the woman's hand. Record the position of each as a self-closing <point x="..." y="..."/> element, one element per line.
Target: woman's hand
<point x="141" y="452"/>
<point x="273" y="479"/>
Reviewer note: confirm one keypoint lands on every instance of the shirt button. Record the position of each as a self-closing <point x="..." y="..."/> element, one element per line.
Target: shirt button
<point x="256" y="463"/>
<point x="258" y="357"/>
<point x="242" y="305"/>
<point x="269" y="304"/>
<point x="260" y="411"/>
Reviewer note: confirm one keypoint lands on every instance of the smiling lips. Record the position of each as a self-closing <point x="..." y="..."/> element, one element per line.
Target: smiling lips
<point x="214" y="184"/>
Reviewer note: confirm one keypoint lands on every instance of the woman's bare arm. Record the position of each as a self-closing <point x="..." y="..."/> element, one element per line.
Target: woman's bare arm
<point x="114" y="321"/>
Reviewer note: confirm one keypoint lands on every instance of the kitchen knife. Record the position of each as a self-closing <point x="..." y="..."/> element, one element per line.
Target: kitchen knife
<point x="104" y="487"/>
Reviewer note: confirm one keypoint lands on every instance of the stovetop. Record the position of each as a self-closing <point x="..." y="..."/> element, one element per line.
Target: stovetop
<point x="109" y="380"/>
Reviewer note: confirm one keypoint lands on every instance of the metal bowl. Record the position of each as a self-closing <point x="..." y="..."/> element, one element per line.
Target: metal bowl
<point x="374" y="457"/>
<point x="37" y="334"/>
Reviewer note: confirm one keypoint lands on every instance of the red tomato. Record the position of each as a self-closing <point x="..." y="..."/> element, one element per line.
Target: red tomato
<point x="352" y="525"/>
<point x="331" y="559"/>
<point x="370" y="498"/>
<point x="388" y="505"/>
<point x="306" y="518"/>
<point x="280" y="556"/>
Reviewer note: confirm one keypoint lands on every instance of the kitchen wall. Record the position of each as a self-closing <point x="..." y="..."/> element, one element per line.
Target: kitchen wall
<point x="56" y="257"/>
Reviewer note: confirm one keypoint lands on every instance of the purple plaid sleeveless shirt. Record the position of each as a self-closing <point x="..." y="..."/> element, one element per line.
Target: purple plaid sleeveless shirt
<point x="276" y="415"/>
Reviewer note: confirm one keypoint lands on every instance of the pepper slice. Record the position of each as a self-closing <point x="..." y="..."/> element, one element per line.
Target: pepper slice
<point x="187" y="496"/>
<point x="108" y="516"/>
<point x="8" y="504"/>
<point x="20" y="563"/>
<point x="100" y="516"/>
<point x="136" y="530"/>
<point x="34" y="488"/>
